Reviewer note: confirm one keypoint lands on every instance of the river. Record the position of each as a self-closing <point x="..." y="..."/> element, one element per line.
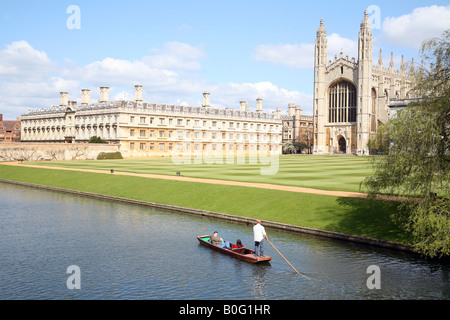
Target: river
<point x="133" y="252"/>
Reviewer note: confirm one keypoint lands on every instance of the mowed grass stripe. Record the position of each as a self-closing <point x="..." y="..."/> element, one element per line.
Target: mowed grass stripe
<point x="336" y="173"/>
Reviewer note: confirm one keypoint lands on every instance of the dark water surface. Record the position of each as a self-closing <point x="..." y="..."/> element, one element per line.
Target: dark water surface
<point x="132" y="252"/>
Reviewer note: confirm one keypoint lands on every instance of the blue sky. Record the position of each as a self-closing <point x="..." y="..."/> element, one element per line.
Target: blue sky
<point x="236" y="50"/>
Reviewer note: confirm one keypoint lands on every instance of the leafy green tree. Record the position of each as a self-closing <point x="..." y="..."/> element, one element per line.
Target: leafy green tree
<point x="379" y="143"/>
<point x="95" y="139"/>
<point x="288" y="147"/>
<point x="416" y="163"/>
<point x="299" y="146"/>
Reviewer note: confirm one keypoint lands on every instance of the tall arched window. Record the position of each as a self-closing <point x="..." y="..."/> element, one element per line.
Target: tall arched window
<point x="342" y="102"/>
<point x="373" y="118"/>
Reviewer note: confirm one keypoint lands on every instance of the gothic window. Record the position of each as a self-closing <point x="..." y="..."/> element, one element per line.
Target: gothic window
<point x="374" y="101"/>
<point x="342" y="102"/>
<point x="373" y="125"/>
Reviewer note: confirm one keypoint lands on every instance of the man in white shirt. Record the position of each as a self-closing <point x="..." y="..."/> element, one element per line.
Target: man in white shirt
<point x="259" y="234"/>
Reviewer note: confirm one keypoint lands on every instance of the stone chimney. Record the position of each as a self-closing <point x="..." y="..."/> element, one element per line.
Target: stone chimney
<point x="1" y="117"/>
<point x="298" y="112"/>
<point x="85" y="97"/>
<point x="104" y="94"/>
<point x="259" y="104"/>
<point x="242" y="105"/>
<point x="206" y="100"/>
<point x="64" y="99"/>
<point x="278" y="113"/>
<point x="291" y="109"/>
<point x="138" y="93"/>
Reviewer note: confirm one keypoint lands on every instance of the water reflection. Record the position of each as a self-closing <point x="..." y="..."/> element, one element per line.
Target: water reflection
<point x="132" y="252"/>
<point x="260" y="290"/>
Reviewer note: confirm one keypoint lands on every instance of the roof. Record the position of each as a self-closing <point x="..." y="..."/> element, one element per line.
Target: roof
<point x="9" y="125"/>
<point x="396" y="103"/>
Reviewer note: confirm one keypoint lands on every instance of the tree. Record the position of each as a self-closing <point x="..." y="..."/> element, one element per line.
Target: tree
<point x="288" y="147"/>
<point x="379" y="144"/>
<point x="417" y="153"/>
<point x="299" y="146"/>
<point x="95" y="139"/>
<point x="78" y="152"/>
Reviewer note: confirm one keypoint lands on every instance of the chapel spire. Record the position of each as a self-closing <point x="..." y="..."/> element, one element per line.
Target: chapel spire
<point x="321" y="46"/>
<point x="365" y="40"/>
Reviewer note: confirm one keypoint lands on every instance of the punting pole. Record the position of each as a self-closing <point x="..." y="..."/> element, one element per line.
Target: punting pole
<point x="287" y="260"/>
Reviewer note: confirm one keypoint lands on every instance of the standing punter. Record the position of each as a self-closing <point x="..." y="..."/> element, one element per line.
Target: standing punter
<point x="259" y="234"/>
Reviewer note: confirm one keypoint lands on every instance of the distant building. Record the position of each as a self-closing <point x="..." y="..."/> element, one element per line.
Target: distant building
<point x="148" y="129"/>
<point x="297" y="127"/>
<point x="9" y="130"/>
<point x="395" y="105"/>
<point x="351" y="98"/>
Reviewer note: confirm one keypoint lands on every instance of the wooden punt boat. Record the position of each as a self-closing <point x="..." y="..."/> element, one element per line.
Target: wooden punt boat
<point x="241" y="253"/>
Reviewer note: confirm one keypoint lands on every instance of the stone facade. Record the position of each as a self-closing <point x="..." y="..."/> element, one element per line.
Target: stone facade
<point x="351" y="98"/>
<point x="297" y="127"/>
<point x="157" y="130"/>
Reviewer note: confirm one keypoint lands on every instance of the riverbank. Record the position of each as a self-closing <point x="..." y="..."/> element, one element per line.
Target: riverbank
<point x="347" y="218"/>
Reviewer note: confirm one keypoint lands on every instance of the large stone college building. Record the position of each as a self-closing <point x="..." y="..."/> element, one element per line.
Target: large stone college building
<point x="351" y="98"/>
<point x="154" y="130"/>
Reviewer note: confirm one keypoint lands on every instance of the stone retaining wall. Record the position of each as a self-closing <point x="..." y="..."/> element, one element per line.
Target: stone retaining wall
<point x="23" y="151"/>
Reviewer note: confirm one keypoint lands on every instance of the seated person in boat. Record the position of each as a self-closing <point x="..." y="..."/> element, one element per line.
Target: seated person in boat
<point x="238" y="244"/>
<point x="215" y="240"/>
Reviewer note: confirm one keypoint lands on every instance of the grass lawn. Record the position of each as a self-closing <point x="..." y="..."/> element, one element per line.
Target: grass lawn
<point x="363" y="217"/>
<point x="337" y="173"/>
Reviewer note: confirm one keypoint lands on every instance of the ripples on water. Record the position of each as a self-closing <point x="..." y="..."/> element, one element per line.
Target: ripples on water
<point x="132" y="252"/>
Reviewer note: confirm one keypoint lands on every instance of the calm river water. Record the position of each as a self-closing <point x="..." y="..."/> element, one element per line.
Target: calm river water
<point x="132" y="252"/>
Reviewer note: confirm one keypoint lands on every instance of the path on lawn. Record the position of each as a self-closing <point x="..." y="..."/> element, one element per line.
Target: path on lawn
<point x="215" y="181"/>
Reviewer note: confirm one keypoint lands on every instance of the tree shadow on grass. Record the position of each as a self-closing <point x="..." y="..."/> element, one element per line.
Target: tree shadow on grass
<point x="371" y="218"/>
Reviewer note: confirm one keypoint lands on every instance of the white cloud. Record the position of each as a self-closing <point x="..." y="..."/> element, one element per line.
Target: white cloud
<point x="336" y="44"/>
<point x="164" y="81"/>
<point x="230" y="94"/>
<point x="289" y="55"/>
<point x="21" y="61"/>
<point x="407" y="30"/>
<point x="169" y="69"/>
<point x="31" y="80"/>
<point x="46" y="88"/>
<point x="412" y="29"/>
<point x="28" y="79"/>
<point x="110" y="71"/>
<point x="302" y="56"/>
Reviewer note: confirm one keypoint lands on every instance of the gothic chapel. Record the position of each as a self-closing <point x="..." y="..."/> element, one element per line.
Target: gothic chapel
<point x="351" y="98"/>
